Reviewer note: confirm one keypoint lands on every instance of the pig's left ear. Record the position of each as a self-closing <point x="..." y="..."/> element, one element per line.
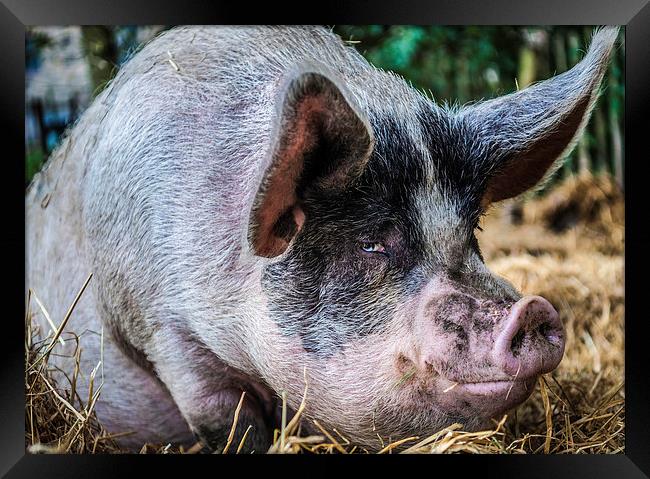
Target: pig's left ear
<point x="533" y="129"/>
<point x="321" y="142"/>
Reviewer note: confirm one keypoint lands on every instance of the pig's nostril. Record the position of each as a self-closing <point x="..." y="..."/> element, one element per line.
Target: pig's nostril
<point x="531" y="331"/>
<point x="517" y="340"/>
<point x="545" y="330"/>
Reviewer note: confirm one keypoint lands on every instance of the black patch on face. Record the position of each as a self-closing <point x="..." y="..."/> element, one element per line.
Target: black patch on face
<point x="329" y="292"/>
<point x="326" y="289"/>
<point x="476" y="248"/>
<point x="462" y="161"/>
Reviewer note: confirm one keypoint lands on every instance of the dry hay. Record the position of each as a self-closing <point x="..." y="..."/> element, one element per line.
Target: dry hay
<point x="584" y="213"/>
<point x="567" y="247"/>
<point x="58" y="421"/>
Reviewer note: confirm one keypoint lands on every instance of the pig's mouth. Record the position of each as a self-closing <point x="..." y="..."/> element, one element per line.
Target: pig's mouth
<point x="443" y="401"/>
<point x="491" y="397"/>
<point x="493" y="388"/>
<point x="505" y="362"/>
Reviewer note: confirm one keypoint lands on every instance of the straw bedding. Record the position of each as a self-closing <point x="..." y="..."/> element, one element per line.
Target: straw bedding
<point x="566" y="246"/>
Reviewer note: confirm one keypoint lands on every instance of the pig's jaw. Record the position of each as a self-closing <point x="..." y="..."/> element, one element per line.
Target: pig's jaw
<point x="396" y="383"/>
<point x="486" y="398"/>
<point x="362" y="394"/>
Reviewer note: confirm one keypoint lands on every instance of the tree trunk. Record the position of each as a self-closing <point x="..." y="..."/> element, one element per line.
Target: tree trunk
<point x="584" y="159"/>
<point x="559" y="51"/>
<point x="98" y="43"/>
<point x="616" y="142"/>
<point x="561" y="65"/>
<point x="527" y="67"/>
<point x="600" y="129"/>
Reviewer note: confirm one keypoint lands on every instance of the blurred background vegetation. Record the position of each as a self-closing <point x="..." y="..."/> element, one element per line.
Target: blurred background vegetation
<point x="67" y="66"/>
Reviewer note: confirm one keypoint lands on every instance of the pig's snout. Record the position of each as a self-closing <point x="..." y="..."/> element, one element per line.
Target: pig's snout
<point x="532" y="339"/>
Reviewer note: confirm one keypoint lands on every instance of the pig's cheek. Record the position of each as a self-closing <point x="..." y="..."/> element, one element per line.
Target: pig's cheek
<point x="374" y="360"/>
<point x="281" y="359"/>
<point x="271" y="348"/>
<point x="277" y="351"/>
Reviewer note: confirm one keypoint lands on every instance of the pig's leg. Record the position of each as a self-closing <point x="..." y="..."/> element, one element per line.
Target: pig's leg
<point x="213" y="424"/>
<point x="207" y="393"/>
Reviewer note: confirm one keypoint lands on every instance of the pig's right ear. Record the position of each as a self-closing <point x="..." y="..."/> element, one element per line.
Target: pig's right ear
<point x="535" y="128"/>
<point x="321" y="142"/>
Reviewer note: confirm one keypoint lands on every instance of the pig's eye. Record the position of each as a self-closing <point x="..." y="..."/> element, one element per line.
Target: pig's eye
<point x="373" y="247"/>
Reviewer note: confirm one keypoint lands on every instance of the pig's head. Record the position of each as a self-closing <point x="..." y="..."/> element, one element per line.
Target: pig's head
<point x="374" y="278"/>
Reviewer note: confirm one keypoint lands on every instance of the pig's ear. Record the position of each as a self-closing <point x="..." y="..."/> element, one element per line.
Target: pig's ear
<point x="321" y="142"/>
<point x="532" y="130"/>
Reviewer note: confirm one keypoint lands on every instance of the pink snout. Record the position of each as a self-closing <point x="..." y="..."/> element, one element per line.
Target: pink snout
<point x="532" y="339"/>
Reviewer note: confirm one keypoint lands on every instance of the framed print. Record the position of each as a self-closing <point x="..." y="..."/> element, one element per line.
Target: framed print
<point x="403" y="232"/>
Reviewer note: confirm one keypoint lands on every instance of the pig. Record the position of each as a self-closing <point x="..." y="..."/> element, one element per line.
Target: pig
<point x="263" y="211"/>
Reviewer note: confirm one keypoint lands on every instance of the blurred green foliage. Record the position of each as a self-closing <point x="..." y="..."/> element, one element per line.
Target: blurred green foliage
<point x="460" y="64"/>
<point x="34" y="158"/>
<point x="454" y="63"/>
<point x="451" y="64"/>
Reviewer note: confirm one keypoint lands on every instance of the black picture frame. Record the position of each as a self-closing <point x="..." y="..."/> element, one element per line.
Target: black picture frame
<point x="635" y="14"/>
